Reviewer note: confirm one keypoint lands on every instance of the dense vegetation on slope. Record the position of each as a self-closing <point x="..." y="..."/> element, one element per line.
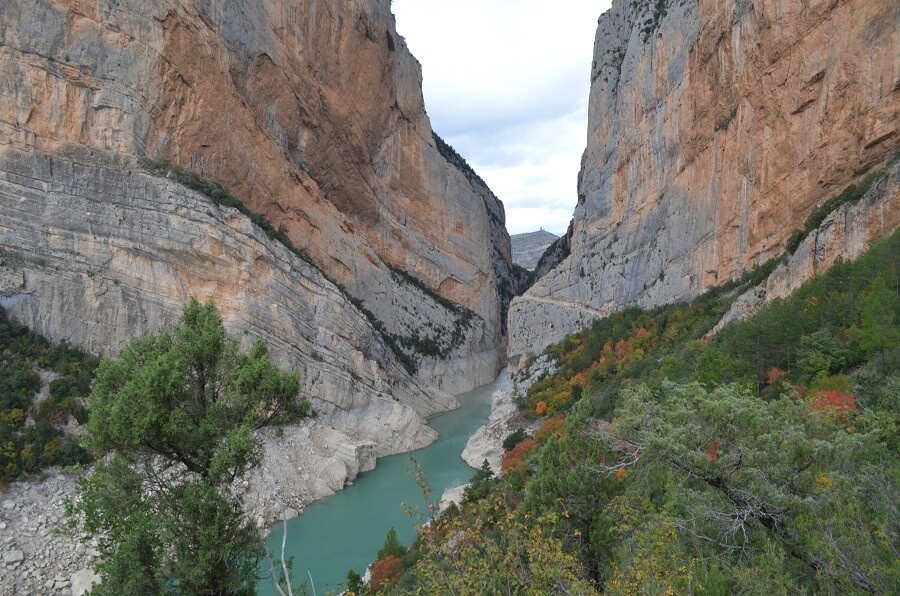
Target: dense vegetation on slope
<point x="764" y="459"/>
<point x="32" y="430"/>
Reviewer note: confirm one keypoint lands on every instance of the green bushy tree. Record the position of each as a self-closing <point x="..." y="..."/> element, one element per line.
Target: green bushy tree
<point x="176" y="414"/>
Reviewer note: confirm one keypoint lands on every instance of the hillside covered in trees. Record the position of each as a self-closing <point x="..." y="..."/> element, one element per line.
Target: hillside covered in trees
<point x="761" y="459"/>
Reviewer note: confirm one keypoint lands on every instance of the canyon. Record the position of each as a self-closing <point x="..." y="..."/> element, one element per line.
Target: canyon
<point x="364" y="251"/>
<point x="387" y="281"/>
<point x="714" y="130"/>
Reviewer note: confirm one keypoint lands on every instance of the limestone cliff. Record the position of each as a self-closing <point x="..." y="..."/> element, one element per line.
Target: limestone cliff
<point x="844" y="234"/>
<point x="714" y="129"/>
<point x="311" y="112"/>
<point x="95" y="254"/>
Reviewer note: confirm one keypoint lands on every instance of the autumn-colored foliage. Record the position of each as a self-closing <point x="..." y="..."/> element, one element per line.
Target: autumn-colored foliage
<point x="551" y="426"/>
<point x="775" y="374"/>
<point x="515" y="458"/>
<point x="712" y="450"/>
<point x="385" y="572"/>
<point x="609" y="349"/>
<point x="830" y="400"/>
<point x="540" y="408"/>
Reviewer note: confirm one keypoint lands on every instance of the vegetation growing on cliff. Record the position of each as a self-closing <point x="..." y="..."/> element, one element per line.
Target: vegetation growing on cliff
<point x="765" y="458"/>
<point x="439" y="342"/>
<point x="850" y="195"/>
<point x="221" y="196"/>
<point x="173" y="418"/>
<point x="32" y="431"/>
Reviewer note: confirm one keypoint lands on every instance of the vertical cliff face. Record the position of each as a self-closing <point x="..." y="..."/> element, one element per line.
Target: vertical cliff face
<point x="311" y="113"/>
<point x="714" y="129"/>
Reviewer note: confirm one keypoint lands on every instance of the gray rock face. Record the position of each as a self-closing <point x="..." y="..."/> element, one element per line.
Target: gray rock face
<point x="304" y="464"/>
<point x="714" y="130"/>
<point x="107" y="254"/>
<point x="311" y="114"/>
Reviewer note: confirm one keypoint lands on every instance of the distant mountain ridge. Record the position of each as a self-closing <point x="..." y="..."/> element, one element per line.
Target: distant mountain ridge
<point x="527" y="248"/>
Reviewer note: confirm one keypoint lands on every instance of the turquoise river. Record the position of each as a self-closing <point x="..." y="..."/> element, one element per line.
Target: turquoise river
<point x="346" y="530"/>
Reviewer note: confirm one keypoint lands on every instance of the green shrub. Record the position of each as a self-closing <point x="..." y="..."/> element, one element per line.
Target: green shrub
<point x="514" y="439"/>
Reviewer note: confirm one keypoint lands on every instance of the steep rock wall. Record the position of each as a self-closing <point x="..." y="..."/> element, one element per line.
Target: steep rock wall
<point x="310" y="111"/>
<point x="95" y="254"/>
<point x="714" y="129"/>
<point x="845" y="234"/>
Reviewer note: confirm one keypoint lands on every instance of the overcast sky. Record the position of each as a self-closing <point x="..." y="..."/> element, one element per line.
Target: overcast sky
<point x="506" y="83"/>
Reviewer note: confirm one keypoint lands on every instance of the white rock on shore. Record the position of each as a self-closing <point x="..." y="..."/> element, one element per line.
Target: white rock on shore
<point x="487" y="442"/>
<point x="303" y="464"/>
<point x="454" y="494"/>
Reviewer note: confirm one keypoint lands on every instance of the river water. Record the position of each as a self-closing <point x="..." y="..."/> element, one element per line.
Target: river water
<point x="347" y="530"/>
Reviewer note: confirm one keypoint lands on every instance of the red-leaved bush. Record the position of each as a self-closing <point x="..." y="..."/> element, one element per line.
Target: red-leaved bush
<point x="514" y="459"/>
<point x="774" y="375"/>
<point x="712" y="450"/>
<point x="830" y="400"/>
<point x="385" y="572"/>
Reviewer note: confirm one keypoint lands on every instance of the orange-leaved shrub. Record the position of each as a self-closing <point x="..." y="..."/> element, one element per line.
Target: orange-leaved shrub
<point x="514" y="459"/>
<point x="555" y="425"/>
<point x="833" y="401"/>
<point x="385" y="572"/>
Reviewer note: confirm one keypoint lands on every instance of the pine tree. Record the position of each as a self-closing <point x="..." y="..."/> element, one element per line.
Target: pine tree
<point x="392" y="546"/>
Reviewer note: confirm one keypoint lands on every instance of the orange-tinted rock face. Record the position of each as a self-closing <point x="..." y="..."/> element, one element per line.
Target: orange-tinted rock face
<point x="715" y="128"/>
<point x="310" y="111"/>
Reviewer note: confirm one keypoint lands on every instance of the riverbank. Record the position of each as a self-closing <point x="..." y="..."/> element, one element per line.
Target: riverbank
<point x="505" y="418"/>
<point x="346" y="530"/>
<point x="305" y="463"/>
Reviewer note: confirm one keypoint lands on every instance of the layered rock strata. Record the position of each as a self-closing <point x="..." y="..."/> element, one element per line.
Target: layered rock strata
<point x="97" y="254"/>
<point x="311" y="113"/>
<point x="714" y="129"/>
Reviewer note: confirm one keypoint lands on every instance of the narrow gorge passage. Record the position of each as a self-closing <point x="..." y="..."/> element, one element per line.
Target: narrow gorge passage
<point x="347" y="530"/>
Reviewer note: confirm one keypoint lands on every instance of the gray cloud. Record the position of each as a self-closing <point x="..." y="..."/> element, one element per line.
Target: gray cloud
<point x="506" y="84"/>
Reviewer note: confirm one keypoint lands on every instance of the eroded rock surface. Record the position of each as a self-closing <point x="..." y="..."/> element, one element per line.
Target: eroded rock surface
<point x="714" y="129"/>
<point x="107" y="253"/>
<point x="487" y="442"/>
<point x="309" y="112"/>
<point x="844" y="234"/>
